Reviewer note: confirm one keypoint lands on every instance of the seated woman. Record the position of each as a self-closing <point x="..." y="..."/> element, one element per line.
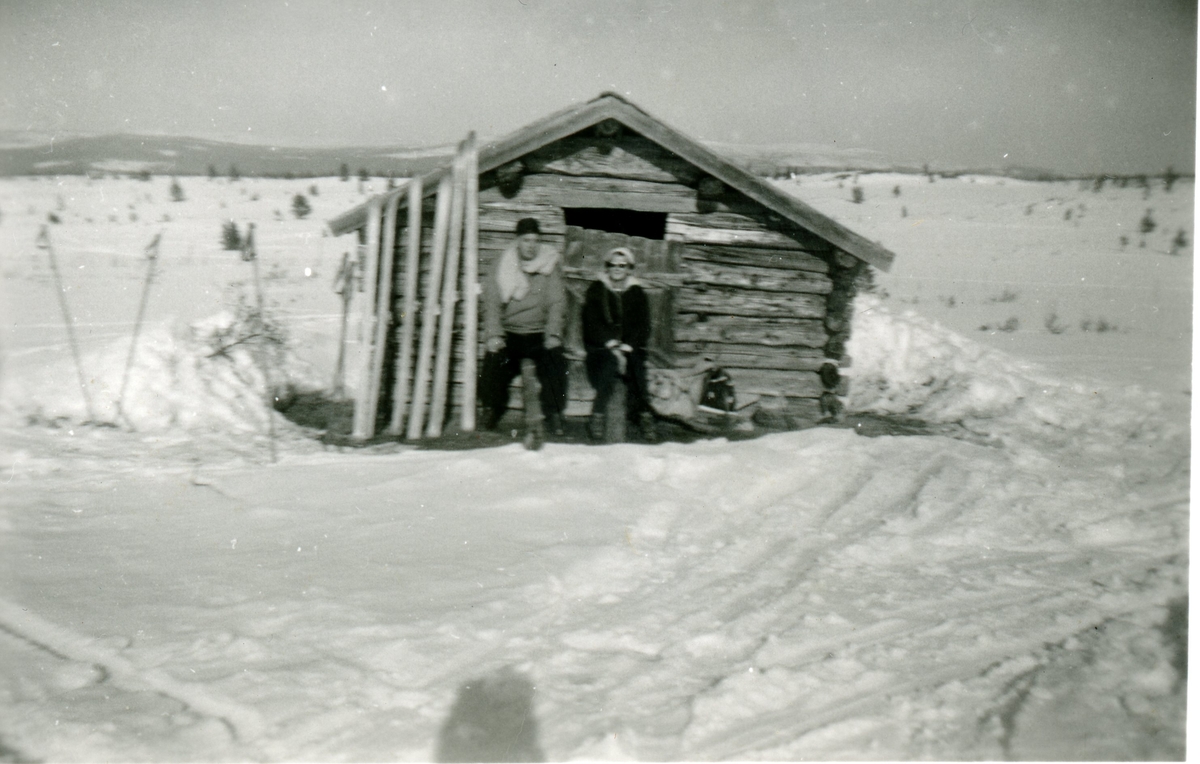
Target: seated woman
<point x="616" y="330"/>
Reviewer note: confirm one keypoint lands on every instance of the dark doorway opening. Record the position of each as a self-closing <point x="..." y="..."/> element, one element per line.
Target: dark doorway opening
<point x="648" y="225"/>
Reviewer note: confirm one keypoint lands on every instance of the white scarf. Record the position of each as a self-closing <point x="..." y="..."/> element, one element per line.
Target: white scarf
<point x="510" y="274"/>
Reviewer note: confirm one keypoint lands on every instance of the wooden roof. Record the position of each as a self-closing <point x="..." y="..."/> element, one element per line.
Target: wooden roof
<point x="612" y="106"/>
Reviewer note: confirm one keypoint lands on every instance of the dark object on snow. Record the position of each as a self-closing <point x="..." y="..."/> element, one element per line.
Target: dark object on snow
<point x="718" y="393"/>
<point x="491" y="720"/>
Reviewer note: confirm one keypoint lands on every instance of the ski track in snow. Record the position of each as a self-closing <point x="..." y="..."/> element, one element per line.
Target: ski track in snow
<point x="744" y="603"/>
<point x="803" y="595"/>
<point x="741" y="603"/>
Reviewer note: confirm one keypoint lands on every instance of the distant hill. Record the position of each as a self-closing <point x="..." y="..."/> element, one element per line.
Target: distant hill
<point x="23" y="153"/>
<point x="808" y="158"/>
<point x="170" y="155"/>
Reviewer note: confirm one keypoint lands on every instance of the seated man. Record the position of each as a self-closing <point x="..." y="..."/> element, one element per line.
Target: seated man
<point x="616" y="330"/>
<point x="523" y="311"/>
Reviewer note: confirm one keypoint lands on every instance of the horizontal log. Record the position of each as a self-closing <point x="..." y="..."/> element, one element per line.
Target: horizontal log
<point x="792" y="414"/>
<point x="732" y="301"/>
<point x="495" y="239"/>
<point x="737" y="228"/>
<point x="651" y="280"/>
<point x="502" y="217"/>
<point x="697" y="235"/>
<point x="602" y="192"/>
<point x="750" y="277"/>
<point x="792" y="384"/>
<point x="688" y="354"/>
<point x="738" y="360"/>
<point x="492" y="243"/>
<point x="806" y="410"/>
<point x="803" y="332"/>
<point x="780" y="259"/>
<point x="586" y="247"/>
<point x="629" y="156"/>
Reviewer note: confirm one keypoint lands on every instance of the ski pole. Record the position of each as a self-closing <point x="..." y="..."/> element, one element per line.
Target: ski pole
<point x="43" y="242"/>
<point x="152" y="256"/>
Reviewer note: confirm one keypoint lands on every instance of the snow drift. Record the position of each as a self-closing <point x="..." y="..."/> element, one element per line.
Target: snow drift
<point x="212" y="375"/>
<point x="906" y="364"/>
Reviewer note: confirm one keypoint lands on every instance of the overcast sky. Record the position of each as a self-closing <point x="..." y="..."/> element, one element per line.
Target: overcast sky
<point x="1072" y="85"/>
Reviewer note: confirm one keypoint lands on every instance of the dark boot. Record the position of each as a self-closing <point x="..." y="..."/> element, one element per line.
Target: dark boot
<point x="554" y="425"/>
<point x="596" y="427"/>
<point x="649" y="427"/>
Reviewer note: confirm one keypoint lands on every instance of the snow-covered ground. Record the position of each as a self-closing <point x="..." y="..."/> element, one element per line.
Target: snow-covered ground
<point x="1012" y="586"/>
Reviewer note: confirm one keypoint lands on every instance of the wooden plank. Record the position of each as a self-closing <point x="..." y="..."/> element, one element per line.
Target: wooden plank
<point x="602" y="192"/>
<point x="364" y="426"/>
<point x="629" y="156"/>
<point x="701" y="235"/>
<point x="441" y="370"/>
<point x="494" y="242"/>
<point x="383" y="312"/>
<point x="735" y="229"/>
<point x="687" y="354"/>
<point x="471" y="286"/>
<point x="649" y="280"/>
<point x="404" y="361"/>
<point x="803" y="332"/>
<point x="547" y="188"/>
<point x="699" y="272"/>
<point x="429" y="313"/>
<point x="791" y="384"/>
<point x="502" y="217"/>
<point x="782" y="259"/>
<point x="585" y="248"/>
<point x="790" y="413"/>
<point x="733" y="301"/>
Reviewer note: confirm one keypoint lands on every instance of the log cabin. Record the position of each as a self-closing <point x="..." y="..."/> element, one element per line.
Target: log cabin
<point x="738" y="272"/>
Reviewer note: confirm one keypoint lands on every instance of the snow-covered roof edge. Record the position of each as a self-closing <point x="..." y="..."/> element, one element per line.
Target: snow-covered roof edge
<point x="612" y="106"/>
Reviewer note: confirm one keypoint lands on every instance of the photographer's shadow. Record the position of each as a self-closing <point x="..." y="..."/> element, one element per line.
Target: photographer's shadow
<point x="491" y="720"/>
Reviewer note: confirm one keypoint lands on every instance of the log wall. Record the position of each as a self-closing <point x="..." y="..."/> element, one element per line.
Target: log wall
<point x="767" y="301"/>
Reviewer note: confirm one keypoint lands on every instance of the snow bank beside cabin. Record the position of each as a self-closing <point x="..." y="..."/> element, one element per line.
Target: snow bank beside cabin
<point x="905" y="364"/>
<point x="211" y="375"/>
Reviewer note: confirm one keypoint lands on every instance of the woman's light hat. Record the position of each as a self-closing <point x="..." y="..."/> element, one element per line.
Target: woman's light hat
<point x="618" y="253"/>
